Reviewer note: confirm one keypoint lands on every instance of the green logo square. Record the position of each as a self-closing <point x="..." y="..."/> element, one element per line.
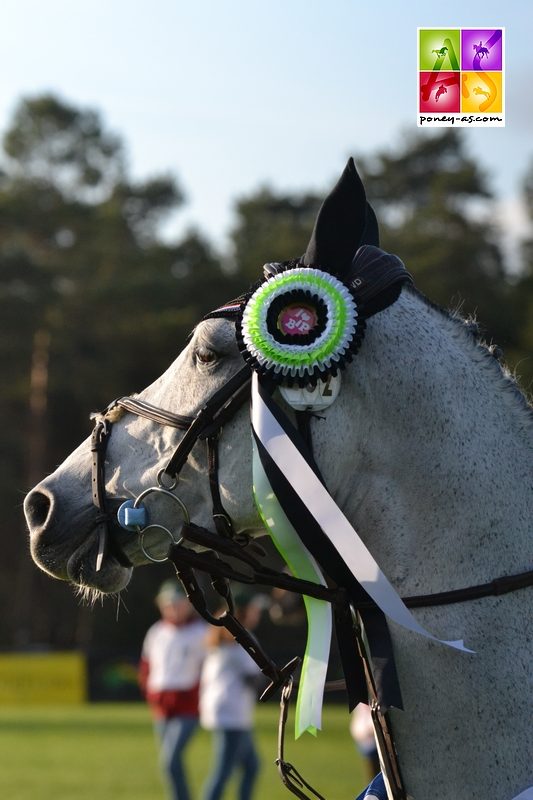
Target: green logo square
<point x="439" y="49"/>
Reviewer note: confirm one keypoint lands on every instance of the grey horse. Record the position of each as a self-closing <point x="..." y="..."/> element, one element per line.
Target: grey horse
<point x="427" y="451"/>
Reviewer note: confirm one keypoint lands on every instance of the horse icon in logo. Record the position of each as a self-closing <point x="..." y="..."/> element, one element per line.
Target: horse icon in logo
<point x="481" y="51"/>
<point x="441" y="53"/>
<point x="441" y="90"/>
<point x="479" y="90"/>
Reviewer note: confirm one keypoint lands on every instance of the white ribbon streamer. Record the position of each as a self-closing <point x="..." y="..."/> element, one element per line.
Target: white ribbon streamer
<point x="308" y="715"/>
<point x="527" y="794"/>
<point x="331" y="519"/>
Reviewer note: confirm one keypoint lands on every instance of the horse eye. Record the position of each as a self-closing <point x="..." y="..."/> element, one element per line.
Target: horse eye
<point x="205" y="356"/>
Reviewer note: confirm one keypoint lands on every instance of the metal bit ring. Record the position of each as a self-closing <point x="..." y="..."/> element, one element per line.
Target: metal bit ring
<point x="171" y="543"/>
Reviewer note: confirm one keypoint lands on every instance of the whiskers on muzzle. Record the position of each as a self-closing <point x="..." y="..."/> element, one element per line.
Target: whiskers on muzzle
<point x="90" y="596"/>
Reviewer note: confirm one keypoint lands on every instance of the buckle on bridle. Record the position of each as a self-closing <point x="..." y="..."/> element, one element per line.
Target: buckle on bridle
<point x="223" y="524"/>
<point x="172" y="481"/>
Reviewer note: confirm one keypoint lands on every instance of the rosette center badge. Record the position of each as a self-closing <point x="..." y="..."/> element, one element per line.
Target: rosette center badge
<point x="297" y="320"/>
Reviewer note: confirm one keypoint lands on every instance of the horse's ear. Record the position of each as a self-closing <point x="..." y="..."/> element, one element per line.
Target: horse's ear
<point x="340" y="224"/>
<point x="371" y="232"/>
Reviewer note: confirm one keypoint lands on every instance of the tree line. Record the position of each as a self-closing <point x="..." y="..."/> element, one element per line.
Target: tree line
<point x="95" y="303"/>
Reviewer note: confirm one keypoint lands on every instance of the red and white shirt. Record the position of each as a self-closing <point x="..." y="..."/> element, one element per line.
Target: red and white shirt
<point x="171" y="663"/>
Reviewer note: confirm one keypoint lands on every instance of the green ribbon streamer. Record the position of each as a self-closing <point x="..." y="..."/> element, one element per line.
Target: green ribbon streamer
<point x="319" y="617"/>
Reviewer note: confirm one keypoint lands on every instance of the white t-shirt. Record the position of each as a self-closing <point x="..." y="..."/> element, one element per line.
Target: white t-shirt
<point x="226" y="699"/>
<point x="175" y="655"/>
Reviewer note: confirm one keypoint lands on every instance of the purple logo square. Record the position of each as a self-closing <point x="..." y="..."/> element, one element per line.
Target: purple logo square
<point x="481" y="49"/>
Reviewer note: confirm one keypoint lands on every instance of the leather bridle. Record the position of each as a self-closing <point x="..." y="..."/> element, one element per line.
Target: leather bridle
<point x="206" y="425"/>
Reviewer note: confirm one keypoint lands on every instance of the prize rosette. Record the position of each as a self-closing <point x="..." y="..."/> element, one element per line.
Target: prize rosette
<point x="300" y="326"/>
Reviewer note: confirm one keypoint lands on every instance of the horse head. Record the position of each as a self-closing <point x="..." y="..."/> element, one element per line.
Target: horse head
<point x="62" y="516"/>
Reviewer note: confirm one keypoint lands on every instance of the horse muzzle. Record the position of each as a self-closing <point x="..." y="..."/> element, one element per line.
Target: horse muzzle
<point x="65" y="545"/>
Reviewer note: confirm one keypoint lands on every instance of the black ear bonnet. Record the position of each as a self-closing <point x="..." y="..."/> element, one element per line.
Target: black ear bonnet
<point x="306" y="318"/>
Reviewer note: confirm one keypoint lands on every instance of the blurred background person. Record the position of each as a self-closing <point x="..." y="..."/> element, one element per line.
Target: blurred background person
<point x="169" y="675"/>
<point x="362" y="730"/>
<point x="228" y="694"/>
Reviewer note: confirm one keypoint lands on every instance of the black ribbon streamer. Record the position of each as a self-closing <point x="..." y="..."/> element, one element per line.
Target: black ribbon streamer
<point x="322" y="549"/>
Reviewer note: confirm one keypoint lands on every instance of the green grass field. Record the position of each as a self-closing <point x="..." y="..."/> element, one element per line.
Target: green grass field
<point x="108" y="752"/>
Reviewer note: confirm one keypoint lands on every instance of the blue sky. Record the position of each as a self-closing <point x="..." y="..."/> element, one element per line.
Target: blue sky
<point x="229" y="94"/>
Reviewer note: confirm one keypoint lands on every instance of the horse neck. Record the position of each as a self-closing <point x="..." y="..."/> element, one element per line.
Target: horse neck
<point x="444" y="462"/>
<point x="439" y="497"/>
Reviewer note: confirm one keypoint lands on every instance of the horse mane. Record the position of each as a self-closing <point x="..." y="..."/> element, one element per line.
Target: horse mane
<point x="488" y="356"/>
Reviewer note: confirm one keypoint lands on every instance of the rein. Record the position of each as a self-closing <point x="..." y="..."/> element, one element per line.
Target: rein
<point x="211" y="563"/>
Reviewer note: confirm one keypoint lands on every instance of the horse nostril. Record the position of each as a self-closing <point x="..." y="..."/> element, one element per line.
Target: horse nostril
<point x="37" y="509"/>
